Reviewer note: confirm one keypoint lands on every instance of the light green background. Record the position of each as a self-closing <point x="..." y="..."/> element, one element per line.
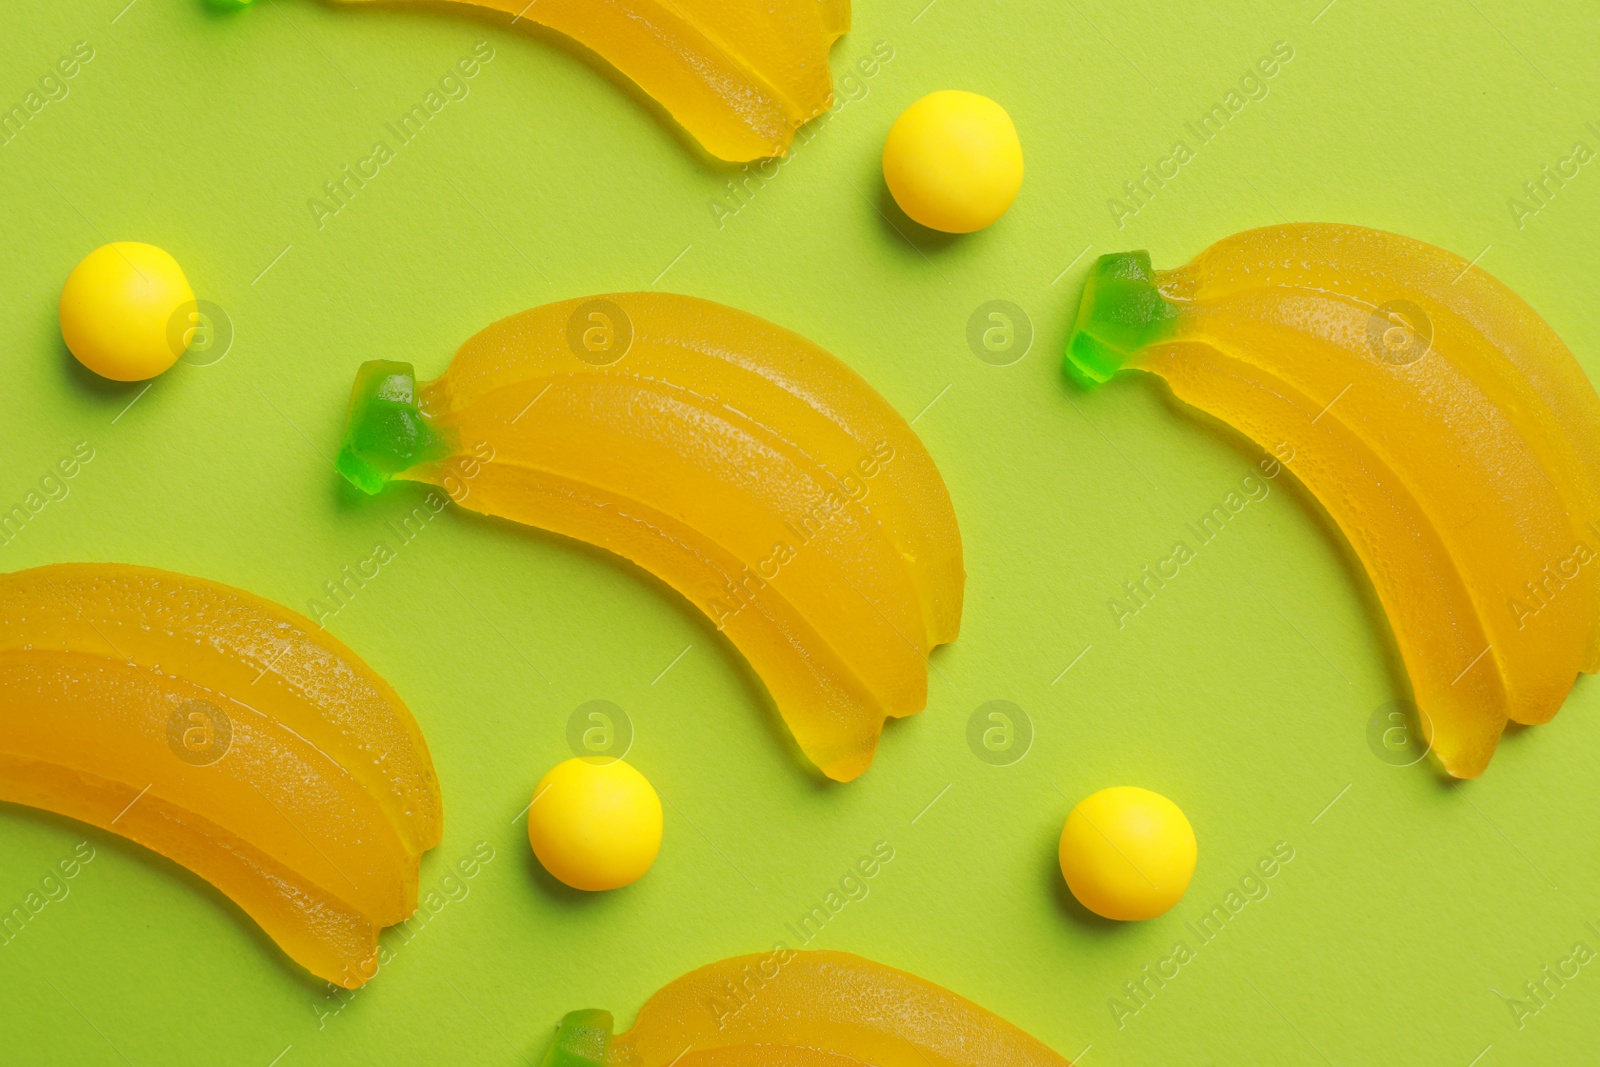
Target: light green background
<point x="1243" y="691"/>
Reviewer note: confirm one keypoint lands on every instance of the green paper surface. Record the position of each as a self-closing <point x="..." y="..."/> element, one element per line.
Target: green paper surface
<point x="1412" y="908"/>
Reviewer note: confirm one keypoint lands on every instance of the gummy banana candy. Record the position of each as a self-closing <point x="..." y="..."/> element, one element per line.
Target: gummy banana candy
<point x="738" y="462"/>
<point x="1442" y="423"/>
<point x="740" y="75"/>
<point x="789" y="1008"/>
<point x="228" y="734"/>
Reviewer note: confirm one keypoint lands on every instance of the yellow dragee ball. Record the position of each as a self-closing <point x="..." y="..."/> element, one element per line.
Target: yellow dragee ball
<point x="119" y="311"/>
<point x="1127" y="853"/>
<point x="595" y="823"/>
<point x="953" y="162"/>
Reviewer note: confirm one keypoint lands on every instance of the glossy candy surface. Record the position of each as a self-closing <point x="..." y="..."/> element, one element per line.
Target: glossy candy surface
<point x="228" y="734"/>
<point x="1437" y="417"/>
<point x="595" y="823"/>
<point x="953" y="162"/>
<point x="738" y="462"/>
<point x="800" y="1009"/>
<point x="740" y="75"/>
<point x="118" y="309"/>
<point x="1127" y="853"/>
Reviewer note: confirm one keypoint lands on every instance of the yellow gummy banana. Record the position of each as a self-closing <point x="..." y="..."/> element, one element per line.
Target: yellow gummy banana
<point x="1445" y="427"/>
<point x="791" y="1008"/>
<point x="315" y="928"/>
<point x="740" y="463"/>
<point x="228" y="734"/>
<point x="746" y="365"/>
<point x="233" y="642"/>
<point x="740" y="75"/>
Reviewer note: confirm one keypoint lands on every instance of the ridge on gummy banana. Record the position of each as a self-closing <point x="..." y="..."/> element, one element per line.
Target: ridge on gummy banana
<point x="738" y="462"/>
<point x="791" y="1008"/>
<point x="1441" y="422"/>
<point x="227" y="733"/>
<point x="740" y="75"/>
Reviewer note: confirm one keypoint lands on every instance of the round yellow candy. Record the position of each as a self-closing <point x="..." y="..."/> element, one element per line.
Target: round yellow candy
<point x="118" y="308"/>
<point x="953" y="161"/>
<point x="1127" y="853"/>
<point x="595" y="823"/>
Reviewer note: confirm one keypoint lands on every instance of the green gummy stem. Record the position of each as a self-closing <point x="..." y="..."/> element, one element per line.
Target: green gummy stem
<point x="1122" y="312"/>
<point x="581" y="1040"/>
<point x="385" y="433"/>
